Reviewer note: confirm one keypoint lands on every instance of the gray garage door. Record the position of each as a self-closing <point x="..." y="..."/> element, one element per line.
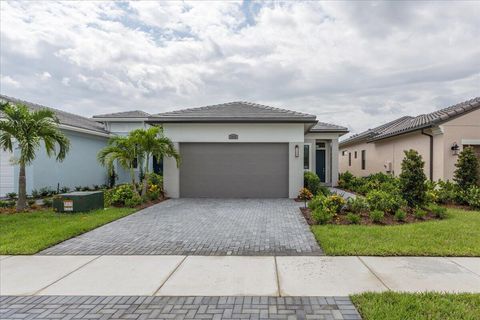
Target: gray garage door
<point x="234" y="170"/>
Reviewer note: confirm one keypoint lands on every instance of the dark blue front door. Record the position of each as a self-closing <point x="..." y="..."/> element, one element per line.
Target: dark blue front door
<point x="320" y="164"/>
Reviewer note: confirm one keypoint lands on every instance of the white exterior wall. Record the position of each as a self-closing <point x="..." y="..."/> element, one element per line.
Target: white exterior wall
<point x="291" y="133"/>
<point x="7" y="177"/>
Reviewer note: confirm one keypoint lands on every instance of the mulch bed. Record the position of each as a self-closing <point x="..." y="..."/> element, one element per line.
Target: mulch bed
<point x="388" y="220"/>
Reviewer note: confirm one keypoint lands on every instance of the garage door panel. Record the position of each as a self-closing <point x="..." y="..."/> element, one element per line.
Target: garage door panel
<point x="236" y="170"/>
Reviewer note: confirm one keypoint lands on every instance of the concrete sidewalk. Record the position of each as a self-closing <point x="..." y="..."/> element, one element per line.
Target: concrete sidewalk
<point x="233" y="275"/>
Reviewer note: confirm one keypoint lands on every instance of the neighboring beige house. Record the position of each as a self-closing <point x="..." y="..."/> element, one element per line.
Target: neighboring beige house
<point x="438" y="136"/>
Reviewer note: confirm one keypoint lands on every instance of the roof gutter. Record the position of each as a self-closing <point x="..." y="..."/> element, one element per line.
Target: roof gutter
<point x="431" y="152"/>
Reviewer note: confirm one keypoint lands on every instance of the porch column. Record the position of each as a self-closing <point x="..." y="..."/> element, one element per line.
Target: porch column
<point x="334" y="163"/>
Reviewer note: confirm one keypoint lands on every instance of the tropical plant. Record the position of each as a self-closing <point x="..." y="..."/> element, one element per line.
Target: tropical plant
<point x="467" y="173"/>
<point x="357" y="204"/>
<point x="122" y="150"/>
<point x="311" y="181"/>
<point x="29" y="129"/>
<point x="322" y="215"/>
<point x="152" y="143"/>
<point x="412" y="179"/>
<point x="353" y="218"/>
<point x="472" y="197"/>
<point x="316" y="202"/>
<point x="400" y="215"/>
<point x="384" y="201"/>
<point x="377" y="216"/>
<point x="334" y="203"/>
<point x="305" y="195"/>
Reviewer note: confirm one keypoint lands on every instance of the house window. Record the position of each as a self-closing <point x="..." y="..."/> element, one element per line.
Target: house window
<point x="306" y="157"/>
<point x="135" y="163"/>
<point x="364" y="159"/>
<point x="355" y="155"/>
<point x="349" y="159"/>
<point x="343" y="153"/>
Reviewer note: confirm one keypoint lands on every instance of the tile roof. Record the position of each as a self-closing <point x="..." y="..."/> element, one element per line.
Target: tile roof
<point x="407" y="124"/>
<point x="239" y="111"/>
<point x="327" y="127"/>
<point x="65" y="118"/>
<point x="124" y="114"/>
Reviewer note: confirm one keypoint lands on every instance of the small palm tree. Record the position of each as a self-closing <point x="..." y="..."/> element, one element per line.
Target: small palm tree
<point x="28" y="129"/>
<point x="124" y="151"/>
<point x="151" y="143"/>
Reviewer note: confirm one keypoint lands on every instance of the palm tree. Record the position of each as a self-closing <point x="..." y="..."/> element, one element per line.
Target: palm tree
<point x="151" y="143"/>
<point x="29" y="129"/>
<point x="124" y="151"/>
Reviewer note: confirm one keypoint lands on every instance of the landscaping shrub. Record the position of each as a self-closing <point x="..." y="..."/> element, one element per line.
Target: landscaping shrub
<point x="322" y="216"/>
<point x="357" y="205"/>
<point x="316" y="202"/>
<point x="468" y="169"/>
<point x="108" y="197"/>
<point x="35" y="194"/>
<point x="419" y="213"/>
<point x="305" y="195"/>
<point x="447" y="192"/>
<point x="47" y="202"/>
<point x="412" y="179"/>
<point x="384" y="201"/>
<point x="153" y="192"/>
<point x="377" y="216"/>
<point x="311" y="181"/>
<point x="64" y="189"/>
<point x="31" y="202"/>
<point x="122" y="194"/>
<point x="400" y="215"/>
<point x="472" y="197"/>
<point x="47" y="192"/>
<point x="346" y="180"/>
<point x="154" y="178"/>
<point x="439" y="211"/>
<point x="334" y="203"/>
<point x="353" y="218"/>
<point x="323" y="190"/>
<point x="12" y="195"/>
<point x="134" y="201"/>
<point x="7" y="204"/>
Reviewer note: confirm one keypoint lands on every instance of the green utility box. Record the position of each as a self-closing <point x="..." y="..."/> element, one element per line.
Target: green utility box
<point x="79" y="201"/>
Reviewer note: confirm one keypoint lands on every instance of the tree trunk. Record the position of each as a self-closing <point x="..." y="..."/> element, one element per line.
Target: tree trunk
<point x="132" y="176"/>
<point x="145" y="176"/>
<point x="22" y="189"/>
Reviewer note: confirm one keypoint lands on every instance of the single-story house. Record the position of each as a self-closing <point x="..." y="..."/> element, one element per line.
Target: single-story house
<point x="438" y="136"/>
<point x="234" y="150"/>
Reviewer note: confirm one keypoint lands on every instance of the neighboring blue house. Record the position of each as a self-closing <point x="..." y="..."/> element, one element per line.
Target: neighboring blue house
<point x="80" y="167"/>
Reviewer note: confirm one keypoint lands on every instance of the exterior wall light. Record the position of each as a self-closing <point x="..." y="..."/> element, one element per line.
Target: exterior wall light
<point x="455" y="149"/>
<point x="297" y="151"/>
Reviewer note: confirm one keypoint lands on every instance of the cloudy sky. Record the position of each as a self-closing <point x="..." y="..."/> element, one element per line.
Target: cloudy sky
<point x="356" y="64"/>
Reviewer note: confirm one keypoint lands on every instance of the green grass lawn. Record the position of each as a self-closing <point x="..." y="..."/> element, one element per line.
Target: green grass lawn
<point x="417" y="306"/>
<point x="30" y="232"/>
<point x="456" y="236"/>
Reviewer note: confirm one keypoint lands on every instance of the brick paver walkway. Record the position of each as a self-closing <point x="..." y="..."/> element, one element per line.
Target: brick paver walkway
<point x="53" y="307"/>
<point x="201" y="227"/>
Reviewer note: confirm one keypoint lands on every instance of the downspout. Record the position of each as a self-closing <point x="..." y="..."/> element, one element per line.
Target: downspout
<point x="431" y="153"/>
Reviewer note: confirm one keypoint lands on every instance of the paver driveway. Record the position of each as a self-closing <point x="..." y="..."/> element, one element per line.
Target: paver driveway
<point x="202" y="227"/>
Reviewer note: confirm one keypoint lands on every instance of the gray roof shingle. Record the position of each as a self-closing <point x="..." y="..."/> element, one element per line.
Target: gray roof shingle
<point x="124" y="114"/>
<point x="65" y="118"/>
<point x="327" y="127"/>
<point x="239" y="111"/>
<point x="407" y="124"/>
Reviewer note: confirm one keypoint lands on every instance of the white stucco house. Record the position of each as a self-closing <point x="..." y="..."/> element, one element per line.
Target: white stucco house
<point x="230" y="150"/>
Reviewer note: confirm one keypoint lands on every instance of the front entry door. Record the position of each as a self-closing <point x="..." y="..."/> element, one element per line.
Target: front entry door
<point x="320" y="164"/>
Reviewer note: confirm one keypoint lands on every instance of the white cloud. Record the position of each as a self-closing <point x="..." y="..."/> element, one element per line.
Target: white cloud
<point x="8" y="81"/>
<point x="355" y="64"/>
<point x="44" y="76"/>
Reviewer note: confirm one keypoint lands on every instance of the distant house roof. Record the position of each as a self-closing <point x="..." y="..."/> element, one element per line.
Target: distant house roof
<point x="327" y="127"/>
<point x="124" y="114"/>
<point x="65" y="118"/>
<point x="234" y="112"/>
<point x="408" y="124"/>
